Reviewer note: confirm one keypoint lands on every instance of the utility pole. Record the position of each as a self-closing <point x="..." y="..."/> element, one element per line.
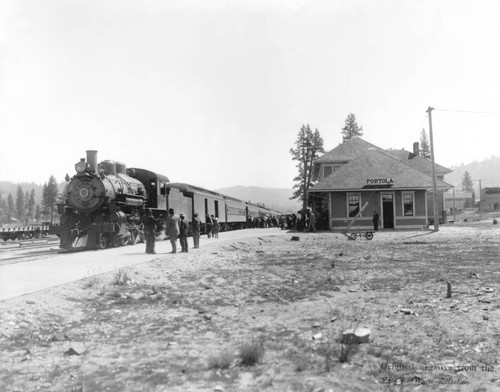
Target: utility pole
<point x="434" y="186"/>
<point x="305" y="154"/>
<point x="454" y="208"/>
<point x="480" y="210"/>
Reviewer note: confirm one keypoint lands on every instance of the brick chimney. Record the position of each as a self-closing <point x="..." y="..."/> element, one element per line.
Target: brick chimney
<point x="416" y="149"/>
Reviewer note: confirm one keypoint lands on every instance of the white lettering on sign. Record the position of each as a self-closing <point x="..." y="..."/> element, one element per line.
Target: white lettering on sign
<point x="378" y="181"/>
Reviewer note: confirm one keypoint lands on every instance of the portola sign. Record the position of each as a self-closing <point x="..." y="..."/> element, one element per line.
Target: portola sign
<point x="379" y="181"/>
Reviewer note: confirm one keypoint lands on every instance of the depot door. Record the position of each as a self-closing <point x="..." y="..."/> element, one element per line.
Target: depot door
<point x="388" y="210"/>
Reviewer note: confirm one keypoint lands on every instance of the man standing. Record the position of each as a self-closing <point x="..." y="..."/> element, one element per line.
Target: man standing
<point x="208" y="225"/>
<point x="215" y="227"/>
<point x="312" y="221"/>
<point x="375" y="220"/>
<point x="172" y="230"/>
<point x="196" y="226"/>
<point x="149" y="224"/>
<point x="183" y="233"/>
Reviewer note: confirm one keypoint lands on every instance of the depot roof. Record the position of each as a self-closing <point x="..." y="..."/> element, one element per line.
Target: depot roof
<point x="375" y="168"/>
<point x="347" y="150"/>
<point x="418" y="162"/>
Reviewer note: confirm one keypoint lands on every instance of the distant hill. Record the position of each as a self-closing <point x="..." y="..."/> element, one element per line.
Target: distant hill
<point x="275" y="198"/>
<point x="488" y="171"/>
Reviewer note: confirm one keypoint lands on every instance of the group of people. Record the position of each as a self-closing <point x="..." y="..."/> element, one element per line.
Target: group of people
<point x="303" y="220"/>
<point x="212" y="226"/>
<point x="177" y="227"/>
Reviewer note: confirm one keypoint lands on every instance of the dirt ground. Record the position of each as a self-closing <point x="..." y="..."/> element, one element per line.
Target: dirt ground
<point x="267" y="314"/>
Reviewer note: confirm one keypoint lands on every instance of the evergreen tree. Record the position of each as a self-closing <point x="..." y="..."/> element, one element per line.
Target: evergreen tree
<point x="11" y="210"/>
<point x="467" y="185"/>
<point x="30" y="205"/>
<point x="38" y="213"/>
<point x="26" y="202"/>
<point x="20" y="206"/>
<point x="351" y="128"/>
<point x="45" y="210"/>
<point x="49" y="198"/>
<point x="425" y="150"/>
<point x="308" y="146"/>
<point x="3" y="211"/>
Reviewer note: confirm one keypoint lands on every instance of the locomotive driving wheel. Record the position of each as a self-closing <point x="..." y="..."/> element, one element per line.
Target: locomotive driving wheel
<point x="102" y="241"/>
<point x="132" y="240"/>
<point x="115" y="241"/>
<point x="124" y="240"/>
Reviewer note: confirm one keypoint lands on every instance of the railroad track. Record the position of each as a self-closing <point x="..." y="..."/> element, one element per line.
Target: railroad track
<point x="27" y="250"/>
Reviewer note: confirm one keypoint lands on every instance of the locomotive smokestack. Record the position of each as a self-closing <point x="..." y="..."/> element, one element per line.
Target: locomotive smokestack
<point x="92" y="160"/>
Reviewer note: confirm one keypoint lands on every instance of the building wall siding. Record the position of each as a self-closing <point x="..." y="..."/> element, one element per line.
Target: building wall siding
<point x="338" y="206"/>
<point x="420" y="202"/>
<point x="340" y="220"/>
<point x="413" y="221"/>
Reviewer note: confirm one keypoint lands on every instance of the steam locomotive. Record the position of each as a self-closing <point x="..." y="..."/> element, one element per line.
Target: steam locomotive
<point x="104" y="203"/>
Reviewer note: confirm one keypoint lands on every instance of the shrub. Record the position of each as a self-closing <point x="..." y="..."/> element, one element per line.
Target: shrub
<point x="121" y="278"/>
<point x="251" y="353"/>
<point x="222" y="360"/>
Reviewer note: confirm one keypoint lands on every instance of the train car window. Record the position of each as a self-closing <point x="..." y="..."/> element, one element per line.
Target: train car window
<point x="216" y="208"/>
<point x="163" y="189"/>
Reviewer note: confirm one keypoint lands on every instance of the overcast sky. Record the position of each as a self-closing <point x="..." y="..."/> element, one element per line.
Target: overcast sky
<point x="213" y="93"/>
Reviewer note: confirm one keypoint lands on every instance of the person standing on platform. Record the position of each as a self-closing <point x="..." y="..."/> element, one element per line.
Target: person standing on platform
<point x="215" y="227"/>
<point x="149" y="224"/>
<point x="183" y="233"/>
<point x="172" y="230"/>
<point x="196" y="226"/>
<point x="312" y="221"/>
<point x="375" y="220"/>
<point x="208" y="224"/>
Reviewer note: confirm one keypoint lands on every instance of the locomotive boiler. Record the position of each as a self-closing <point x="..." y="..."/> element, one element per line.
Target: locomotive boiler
<point x="101" y="206"/>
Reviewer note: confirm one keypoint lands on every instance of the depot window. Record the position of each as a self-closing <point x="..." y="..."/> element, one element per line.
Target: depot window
<point x="408" y="204"/>
<point x="353" y="204"/>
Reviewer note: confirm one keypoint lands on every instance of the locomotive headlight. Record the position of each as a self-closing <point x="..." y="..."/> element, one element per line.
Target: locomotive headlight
<point x="81" y="166"/>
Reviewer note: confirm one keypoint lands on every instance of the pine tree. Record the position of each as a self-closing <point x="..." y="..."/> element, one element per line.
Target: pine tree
<point x="425" y="150"/>
<point x="20" y="206"/>
<point x="30" y="205"/>
<point x="11" y="210"/>
<point x="38" y="213"/>
<point x="45" y="210"/>
<point x="308" y="146"/>
<point x="3" y="211"/>
<point x="467" y="185"/>
<point x="351" y="128"/>
<point x="49" y="197"/>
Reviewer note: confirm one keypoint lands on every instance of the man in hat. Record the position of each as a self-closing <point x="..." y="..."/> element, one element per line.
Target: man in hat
<point x="183" y="233"/>
<point x="149" y="225"/>
<point x="312" y="221"/>
<point x="375" y="220"/>
<point x="196" y="226"/>
<point x="172" y="230"/>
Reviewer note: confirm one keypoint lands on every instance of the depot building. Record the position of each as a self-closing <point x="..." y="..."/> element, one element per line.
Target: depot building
<point x="357" y="178"/>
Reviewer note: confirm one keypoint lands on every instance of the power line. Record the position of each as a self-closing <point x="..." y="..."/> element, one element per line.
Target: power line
<point x="466" y="111"/>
